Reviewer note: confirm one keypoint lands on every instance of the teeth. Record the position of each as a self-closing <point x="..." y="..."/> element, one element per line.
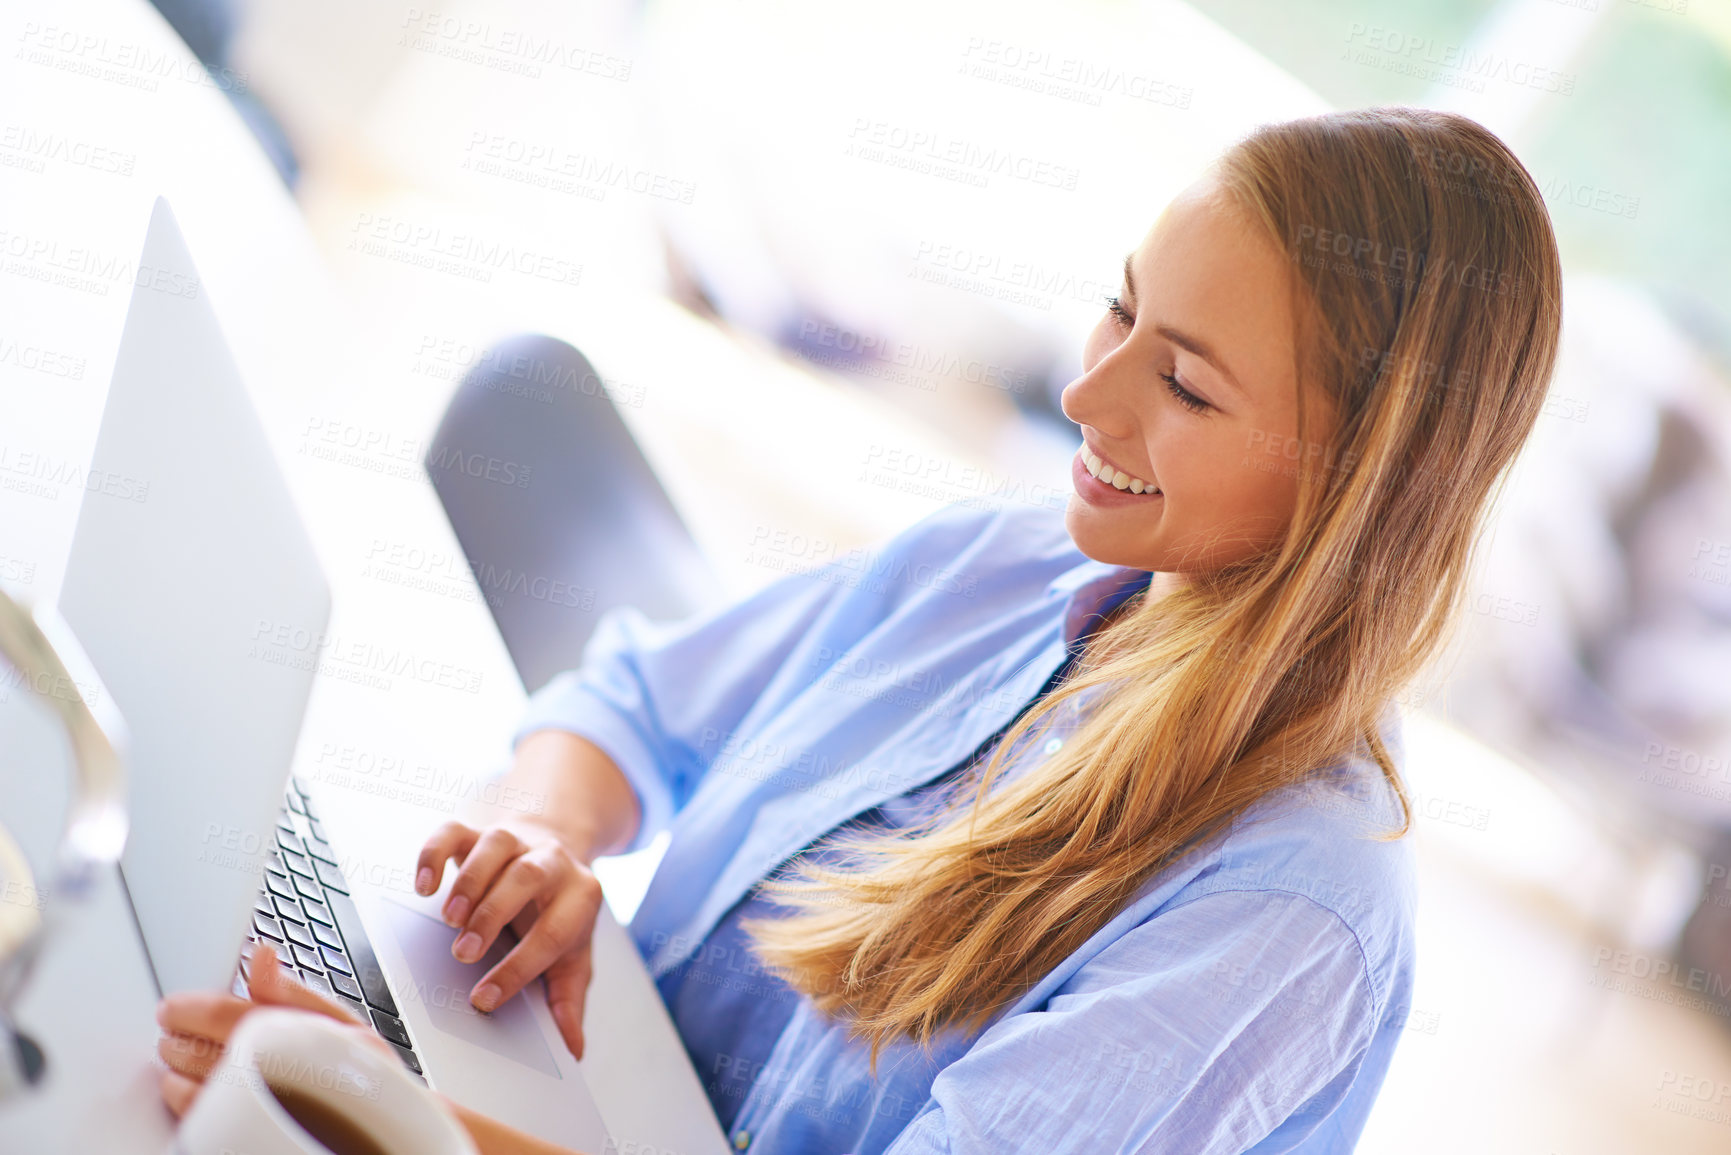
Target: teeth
<point x="1116" y="478"/>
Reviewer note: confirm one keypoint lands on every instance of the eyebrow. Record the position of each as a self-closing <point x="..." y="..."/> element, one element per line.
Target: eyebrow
<point x="1183" y="340"/>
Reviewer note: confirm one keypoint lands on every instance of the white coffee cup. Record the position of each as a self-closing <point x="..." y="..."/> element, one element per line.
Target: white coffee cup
<point x="325" y="1071"/>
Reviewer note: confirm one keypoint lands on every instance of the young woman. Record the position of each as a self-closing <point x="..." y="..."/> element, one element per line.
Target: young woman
<point x="1080" y="833"/>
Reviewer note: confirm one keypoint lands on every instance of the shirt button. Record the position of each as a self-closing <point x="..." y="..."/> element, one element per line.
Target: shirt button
<point x="1053" y="745"/>
<point x="741" y="1140"/>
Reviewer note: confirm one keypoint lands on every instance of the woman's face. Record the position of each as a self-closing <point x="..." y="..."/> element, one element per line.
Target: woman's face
<point x="1188" y="398"/>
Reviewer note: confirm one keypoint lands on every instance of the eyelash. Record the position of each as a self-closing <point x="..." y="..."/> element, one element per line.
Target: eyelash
<point x="1183" y="396"/>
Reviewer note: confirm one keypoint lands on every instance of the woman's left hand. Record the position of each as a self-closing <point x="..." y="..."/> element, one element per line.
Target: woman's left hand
<point x="196" y="1026"/>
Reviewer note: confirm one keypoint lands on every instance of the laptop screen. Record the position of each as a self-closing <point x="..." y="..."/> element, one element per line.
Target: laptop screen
<point x="195" y="590"/>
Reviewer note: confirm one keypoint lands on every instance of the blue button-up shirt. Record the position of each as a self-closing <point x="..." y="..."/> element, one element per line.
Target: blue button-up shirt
<point x="1248" y="998"/>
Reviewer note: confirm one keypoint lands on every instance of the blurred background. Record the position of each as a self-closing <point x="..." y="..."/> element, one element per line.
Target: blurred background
<point x="835" y="262"/>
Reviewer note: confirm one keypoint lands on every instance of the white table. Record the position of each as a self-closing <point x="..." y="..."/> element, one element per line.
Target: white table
<point x="106" y="111"/>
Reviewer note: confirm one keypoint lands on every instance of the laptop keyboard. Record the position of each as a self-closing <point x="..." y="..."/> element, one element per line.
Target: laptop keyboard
<point x="304" y="911"/>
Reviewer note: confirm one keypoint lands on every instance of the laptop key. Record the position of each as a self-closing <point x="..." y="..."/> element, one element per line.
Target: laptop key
<point x="267" y="926"/>
<point x="261" y="903"/>
<point x="297" y="863"/>
<point x="326" y="935"/>
<point x="320" y="849"/>
<point x="335" y="961"/>
<point x="295" y="804"/>
<point x="392" y="1028"/>
<point x="346" y="985"/>
<point x="330" y="876"/>
<point x="238" y="988"/>
<point x="278" y="885"/>
<point x="300" y="936"/>
<point x="306" y="959"/>
<point x="308" y="888"/>
<point x="360" y="952"/>
<point x="408" y="1058"/>
<point x="287" y="908"/>
<point x="318" y="910"/>
<point x="316" y="981"/>
<point x="352" y="1003"/>
<point x="289" y="840"/>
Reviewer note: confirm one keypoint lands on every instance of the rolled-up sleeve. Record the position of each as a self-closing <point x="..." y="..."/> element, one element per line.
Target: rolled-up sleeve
<point x="1204" y="1029"/>
<point x="661" y="699"/>
<point x="658" y="698"/>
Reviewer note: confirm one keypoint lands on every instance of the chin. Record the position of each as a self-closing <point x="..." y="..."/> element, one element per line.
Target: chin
<point x="1103" y="537"/>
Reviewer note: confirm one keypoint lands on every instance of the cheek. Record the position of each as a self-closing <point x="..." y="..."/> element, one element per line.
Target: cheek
<point x="1214" y="480"/>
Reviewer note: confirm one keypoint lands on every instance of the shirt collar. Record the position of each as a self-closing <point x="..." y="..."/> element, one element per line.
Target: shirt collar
<point x="1094" y="590"/>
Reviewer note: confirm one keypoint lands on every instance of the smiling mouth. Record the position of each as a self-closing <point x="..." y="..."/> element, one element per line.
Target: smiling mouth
<point x="1116" y="478"/>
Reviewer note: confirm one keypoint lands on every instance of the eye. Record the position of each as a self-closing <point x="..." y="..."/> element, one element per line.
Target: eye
<point x="1185" y="398"/>
<point x="1116" y="307"/>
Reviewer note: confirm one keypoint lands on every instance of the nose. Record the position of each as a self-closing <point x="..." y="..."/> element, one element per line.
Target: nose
<point x="1102" y="397"/>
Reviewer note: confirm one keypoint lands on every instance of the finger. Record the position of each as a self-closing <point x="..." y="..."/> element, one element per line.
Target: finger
<point x="451" y="840"/>
<point x="194" y="1056"/>
<point x="271" y="985"/>
<point x="205" y="1014"/>
<point x="178" y="1092"/>
<point x="540" y="873"/>
<point x="481" y="865"/>
<point x="563" y="928"/>
<point x="567" y="993"/>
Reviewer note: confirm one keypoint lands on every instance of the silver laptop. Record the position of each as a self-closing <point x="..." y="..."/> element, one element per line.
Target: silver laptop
<point x="187" y="559"/>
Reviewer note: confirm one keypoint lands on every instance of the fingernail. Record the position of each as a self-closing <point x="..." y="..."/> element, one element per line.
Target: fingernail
<point x="468" y="947"/>
<point x="456" y="911"/>
<point x="486" y="996"/>
<point x="424" y="880"/>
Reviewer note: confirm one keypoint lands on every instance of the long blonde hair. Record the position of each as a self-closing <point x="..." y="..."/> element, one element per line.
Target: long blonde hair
<point x="1429" y="294"/>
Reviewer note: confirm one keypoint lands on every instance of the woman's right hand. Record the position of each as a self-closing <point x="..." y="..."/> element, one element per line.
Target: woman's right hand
<point x="524" y="874"/>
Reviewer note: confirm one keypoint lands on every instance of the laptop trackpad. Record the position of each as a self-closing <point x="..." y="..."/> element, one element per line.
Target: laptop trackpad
<point x="442" y="985"/>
